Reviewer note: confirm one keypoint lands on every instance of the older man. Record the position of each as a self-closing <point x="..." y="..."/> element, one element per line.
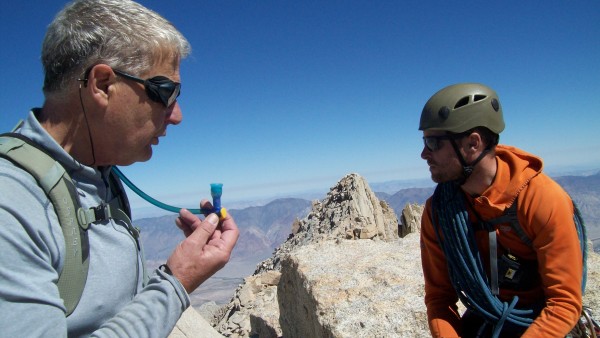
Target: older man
<point x="111" y="86"/>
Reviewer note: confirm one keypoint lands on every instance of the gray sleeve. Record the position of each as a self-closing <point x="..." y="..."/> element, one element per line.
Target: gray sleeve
<point x="153" y="313"/>
<point x="29" y="300"/>
<point x="31" y="250"/>
<point x="29" y="295"/>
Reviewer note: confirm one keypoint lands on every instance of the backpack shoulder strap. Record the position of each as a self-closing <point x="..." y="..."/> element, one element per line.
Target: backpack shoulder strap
<point x="510" y="216"/>
<point x="119" y="192"/>
<point x="583" y="242"/>
<point x="58" y="186"/>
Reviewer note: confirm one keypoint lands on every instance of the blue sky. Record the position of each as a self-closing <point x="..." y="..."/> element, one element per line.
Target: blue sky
<point x="281" y="97"/>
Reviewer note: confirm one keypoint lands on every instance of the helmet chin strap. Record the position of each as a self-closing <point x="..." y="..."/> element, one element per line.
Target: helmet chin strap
<point x="467" y="167"/>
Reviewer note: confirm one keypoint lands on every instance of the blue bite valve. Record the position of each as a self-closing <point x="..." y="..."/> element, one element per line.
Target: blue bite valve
<point x="216" y="190"/>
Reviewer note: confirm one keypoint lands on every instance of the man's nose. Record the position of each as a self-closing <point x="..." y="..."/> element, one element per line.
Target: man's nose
<point x="174" y="115"/>
<point x="425" y="153"/>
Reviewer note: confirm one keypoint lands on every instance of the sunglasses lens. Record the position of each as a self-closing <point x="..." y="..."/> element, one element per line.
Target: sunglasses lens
<point x="161" y="89"/>
<point x="173" y="94"/>
<point x="168" y="93"/>
<point x="431" y="143"/>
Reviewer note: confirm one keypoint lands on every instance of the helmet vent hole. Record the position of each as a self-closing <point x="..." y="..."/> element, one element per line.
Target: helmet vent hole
<point x="479" y="97"/>
<point x="462" y="102"/>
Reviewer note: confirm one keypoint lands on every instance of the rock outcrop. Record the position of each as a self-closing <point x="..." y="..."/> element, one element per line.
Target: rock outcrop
<point x="191" y="324"/>
<point x="351" y="235"/>
<point x="411" y="219"/>
<point x="349" y="211"/>
<point x="353" y="289"/>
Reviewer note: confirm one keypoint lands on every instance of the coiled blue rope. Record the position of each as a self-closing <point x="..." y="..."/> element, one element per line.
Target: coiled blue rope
<point x="457" y="239"/>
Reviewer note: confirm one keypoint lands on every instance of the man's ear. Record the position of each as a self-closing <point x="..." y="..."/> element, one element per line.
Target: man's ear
<point x="98" y="83"/>
<point x="475" y="142"/>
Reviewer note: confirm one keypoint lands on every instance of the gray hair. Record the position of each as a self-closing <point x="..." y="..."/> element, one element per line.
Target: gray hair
<point x="120" y="33"/>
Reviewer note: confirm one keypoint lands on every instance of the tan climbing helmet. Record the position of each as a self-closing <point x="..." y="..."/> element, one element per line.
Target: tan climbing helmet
<point x="461" y="107"/>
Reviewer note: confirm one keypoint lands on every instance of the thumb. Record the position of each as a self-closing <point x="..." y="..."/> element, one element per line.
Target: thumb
<point x="203" y="232"/>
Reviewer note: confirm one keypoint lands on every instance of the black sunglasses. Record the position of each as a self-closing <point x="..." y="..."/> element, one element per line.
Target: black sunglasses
<point x="159" y="88"/>
<point x="433" y="142"/>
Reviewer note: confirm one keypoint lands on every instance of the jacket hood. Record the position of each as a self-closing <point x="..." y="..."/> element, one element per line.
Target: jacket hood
<point x="515" y="168"/>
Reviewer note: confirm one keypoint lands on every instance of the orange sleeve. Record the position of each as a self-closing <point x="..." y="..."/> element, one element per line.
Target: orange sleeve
<point x="440" y="297"/>
<point x="548" y="211"/>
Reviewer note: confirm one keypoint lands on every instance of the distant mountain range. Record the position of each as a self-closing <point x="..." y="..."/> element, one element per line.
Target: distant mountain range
<point x="585" y="191"/>
<point x="263" y="228"/>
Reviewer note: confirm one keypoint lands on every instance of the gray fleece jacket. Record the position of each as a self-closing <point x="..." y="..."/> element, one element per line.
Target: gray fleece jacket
<point x="118" y="301"/>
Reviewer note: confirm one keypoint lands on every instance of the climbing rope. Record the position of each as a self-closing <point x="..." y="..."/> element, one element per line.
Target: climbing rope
<point x="465" y="266"/>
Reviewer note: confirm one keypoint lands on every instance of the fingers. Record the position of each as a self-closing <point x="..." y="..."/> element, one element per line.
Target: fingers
<point x="205" y="251"/>
<point x="187" y="217"/>
<point x="205" y="204"/>
<point x="229" y="232"/>
<point x="203" y="230"/>
<point x="187" y="222"/>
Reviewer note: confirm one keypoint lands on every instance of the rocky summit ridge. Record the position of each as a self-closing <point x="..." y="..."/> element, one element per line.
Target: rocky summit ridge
<point x="349" y="269"/>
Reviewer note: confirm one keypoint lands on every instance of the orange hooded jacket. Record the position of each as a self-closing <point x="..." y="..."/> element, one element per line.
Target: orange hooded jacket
<point x="545" y="212"/>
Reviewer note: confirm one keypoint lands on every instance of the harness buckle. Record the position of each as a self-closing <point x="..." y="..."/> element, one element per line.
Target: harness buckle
<point x="102" y="212"/>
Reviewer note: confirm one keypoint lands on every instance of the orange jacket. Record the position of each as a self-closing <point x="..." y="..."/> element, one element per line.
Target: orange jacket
<point x="545" y="213"/>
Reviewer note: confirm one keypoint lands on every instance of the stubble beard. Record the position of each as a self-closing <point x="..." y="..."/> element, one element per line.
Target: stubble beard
<point x="446" y="174"/>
